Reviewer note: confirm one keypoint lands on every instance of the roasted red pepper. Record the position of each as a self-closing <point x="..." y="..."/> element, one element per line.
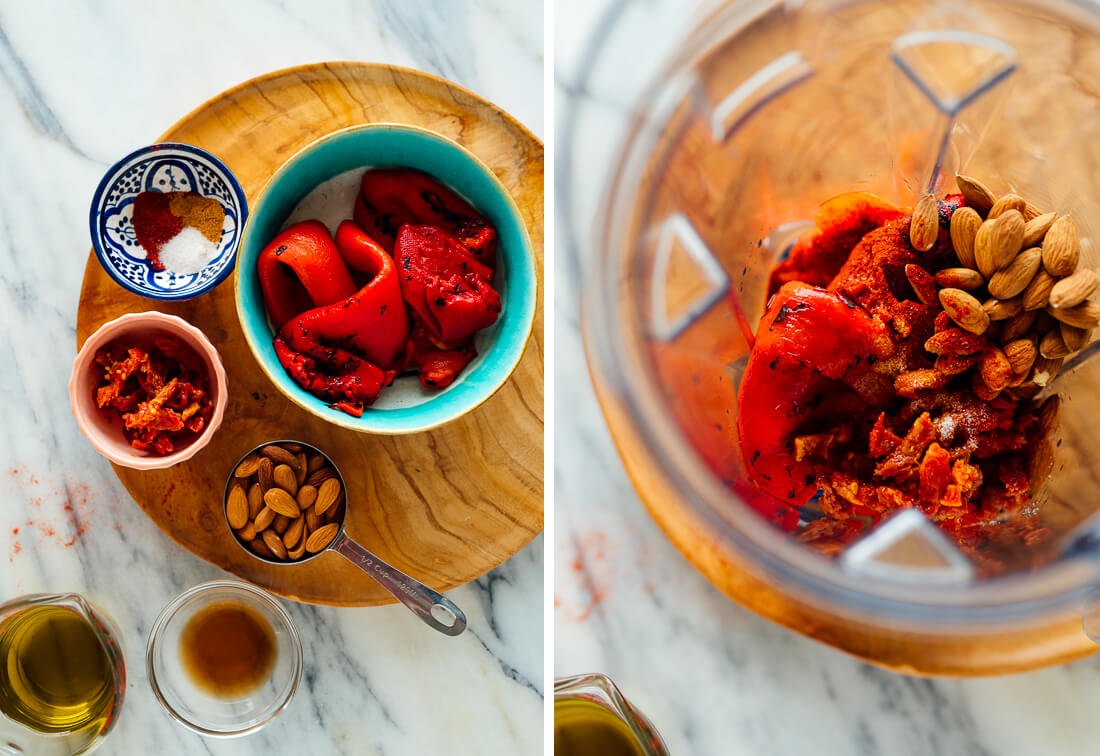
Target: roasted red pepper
<point x="438" y="364"/>
<point x="444" y="285"/>
<point x="390" y="198"/>
<point x="301" y="269"/>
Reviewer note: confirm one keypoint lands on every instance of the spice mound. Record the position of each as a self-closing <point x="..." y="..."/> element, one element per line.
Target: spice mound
<point x="404" y="288"/>
<point x="902" y="361"/>
<point x="179" y="231"/>
<point x="285" y="504"/>
<point x="159" y="392"/>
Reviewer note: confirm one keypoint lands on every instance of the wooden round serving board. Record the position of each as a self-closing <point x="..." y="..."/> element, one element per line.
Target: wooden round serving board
<point x="445" y="506"/>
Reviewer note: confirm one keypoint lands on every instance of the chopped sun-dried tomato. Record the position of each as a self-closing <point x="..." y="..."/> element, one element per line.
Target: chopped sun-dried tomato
<point x="160" y="394"/>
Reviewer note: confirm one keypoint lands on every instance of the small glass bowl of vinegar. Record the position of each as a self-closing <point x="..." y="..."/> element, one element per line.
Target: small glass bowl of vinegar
<point x="593" y="718"/>
<point x="224" y="658"/>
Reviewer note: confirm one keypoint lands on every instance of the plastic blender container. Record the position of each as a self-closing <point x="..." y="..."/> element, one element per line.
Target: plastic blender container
<point x="714" y="136"/>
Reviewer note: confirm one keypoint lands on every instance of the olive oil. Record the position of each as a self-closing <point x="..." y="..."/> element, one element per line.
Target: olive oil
<point x="228" y="649"/>
<point x="55" y="675"/>
<point x="585" y="728"/>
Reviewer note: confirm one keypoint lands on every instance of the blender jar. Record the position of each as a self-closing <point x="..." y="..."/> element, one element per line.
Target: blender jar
<point x="763" y="111"/>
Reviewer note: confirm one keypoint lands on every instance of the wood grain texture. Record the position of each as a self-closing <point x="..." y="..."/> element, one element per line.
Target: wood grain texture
<point x="445" y="506"/>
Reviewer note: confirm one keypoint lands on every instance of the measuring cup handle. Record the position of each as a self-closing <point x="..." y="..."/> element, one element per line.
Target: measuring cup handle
<point x="433" y="608"/>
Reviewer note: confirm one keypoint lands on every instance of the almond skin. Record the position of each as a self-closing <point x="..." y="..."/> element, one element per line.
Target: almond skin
<point x="1037" y="293"/>
<point x="286" y="479"/>
<point x="1061" y="247"/>
<point x="293" y="534"/>
<point x="279" y="455"/>
<point x="964" y="309"/>
<point x="1036" y="228"/>
<point x="1050" y="415"/>
<point x="959" y="278"/>
<point x="282" y="503"/>
<point x="264" y="519"/>
<point x="247" y="468"/>
<point x="327" y="493"/>
<point x="1085" y="315"/>
<point x="236" y="507"/>
<point x="1045" y="369"/>
<point x="274" y="543"/>
<point x="1076" y="338"/>
<point x="306" y="496"/>
<point x="998" y="241"/>
<point x="965" y="223"/>
<point x="255" y="501"/>
<point x="1073" y="289"/>
<point x="1003" y="309"/>
<point x="924" y="225"/>
<point x="1006" y="203"/>
<point x="265" y="473"/>
<point x="1014" y="278"/>
<point x="977" y="194"/>
<point x="321" y="538"/>
<point x="1021" y="355"/>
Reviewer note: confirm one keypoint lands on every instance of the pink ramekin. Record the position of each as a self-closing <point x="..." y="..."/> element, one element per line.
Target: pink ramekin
<point x="106" y="436"/>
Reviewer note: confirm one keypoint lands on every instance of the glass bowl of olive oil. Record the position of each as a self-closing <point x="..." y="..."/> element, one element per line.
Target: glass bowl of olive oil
<point x="224" y="658"/>
<point x="593" y="718"/>
<point x="62" y="676"/>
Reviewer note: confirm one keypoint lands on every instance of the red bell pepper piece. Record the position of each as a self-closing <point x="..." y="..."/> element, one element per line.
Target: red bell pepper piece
<point x="813" y="354"/>
<point x="390" y="198"/>
<point x="301" y="269"/>
<point x="444" y="285"/>
<point x="437" y="365"/>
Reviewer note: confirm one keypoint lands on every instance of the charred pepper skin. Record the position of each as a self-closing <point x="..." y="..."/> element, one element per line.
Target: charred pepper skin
<point x="390" y="198"/>
<point x="301" y="269"/>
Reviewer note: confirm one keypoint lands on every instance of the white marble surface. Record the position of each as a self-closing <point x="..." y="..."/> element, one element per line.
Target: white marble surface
<point x="714" y="678"/>
<point x="83" y="83"/>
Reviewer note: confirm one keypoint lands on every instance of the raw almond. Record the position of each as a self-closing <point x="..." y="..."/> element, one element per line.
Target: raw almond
<point x="998" y="241"/>
<point x="1040" y="465"/>
<point x="279" y="455"/>
<point x="282" y="502"/>
<point x="1061" y="247"/>
<point x="236" y="507"/>
<point x="960" y="278"/>
<point x="281" y="523"/>
<point x="321" y="537"/>
<point x="260" y="548"/>
<point x="1018" y="325"/>
<point x="977" y="194"/>
<point x="1031" y="212"/>
<point x="335" y="513"/>
<point x="1006" y="203"/>
<point x="313" y="520"/>
<point x="274" y="543"/>
<point x="301" y="470"/>
<point x="1021" y="355"/>
<point x="1050" y="414"/>
<point x="255" y="500"/>
<point x="1014" y="278"/>
<point x="265" y="473"/>
<point x="1036" y="228"/>
<point x="995" y="369"/>
<point x="1045" y="369"/>
<point x="298" y="552"/>
<point x="965" y="223"/>
<point x="326" y="495"/>
<point x="264" y="519"/>
<point x="292" y="447"/>
<point x="1076" y="338"/>
<point x="923" y="284"/>
<point x="316" y="462"/>
<point x="964" y="309"/>
<point x="286" y="479"/>
<point x="247" y="468"/>
<point x="293" y="534"/>
<point x="318" y="477"/>
<point x="1037" y="293"/>
<point x="924" y="226"/>
<point x="248" y="532"/>
<point x="1073" y="289"/>
<point x="1051" y="345"/>
<point x="1003" y="309"/>
<point x="306" y="496"/>
<point x="1085" y="315"/>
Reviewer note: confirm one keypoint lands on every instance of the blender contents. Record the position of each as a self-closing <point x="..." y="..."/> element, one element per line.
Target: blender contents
<point x="55" y="675"/>
<point x="585" y="728"/>
<point x="179" y="231"/>
<point x="285" y="504"/>
<point x="228" y="649"/>
<point x="159" y="390"/>
<point x="402" y="288"/>
<point x="899" y="364"/>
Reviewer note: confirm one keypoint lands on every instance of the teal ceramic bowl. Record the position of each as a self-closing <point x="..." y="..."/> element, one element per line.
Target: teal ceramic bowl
<point x="404" y="407"/>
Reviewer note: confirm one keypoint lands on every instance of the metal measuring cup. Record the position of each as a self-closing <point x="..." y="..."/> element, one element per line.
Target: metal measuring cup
<point x="433" y="608"/>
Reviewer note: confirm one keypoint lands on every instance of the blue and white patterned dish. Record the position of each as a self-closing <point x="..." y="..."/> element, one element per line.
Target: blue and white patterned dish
<point x="164" y="167"/>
